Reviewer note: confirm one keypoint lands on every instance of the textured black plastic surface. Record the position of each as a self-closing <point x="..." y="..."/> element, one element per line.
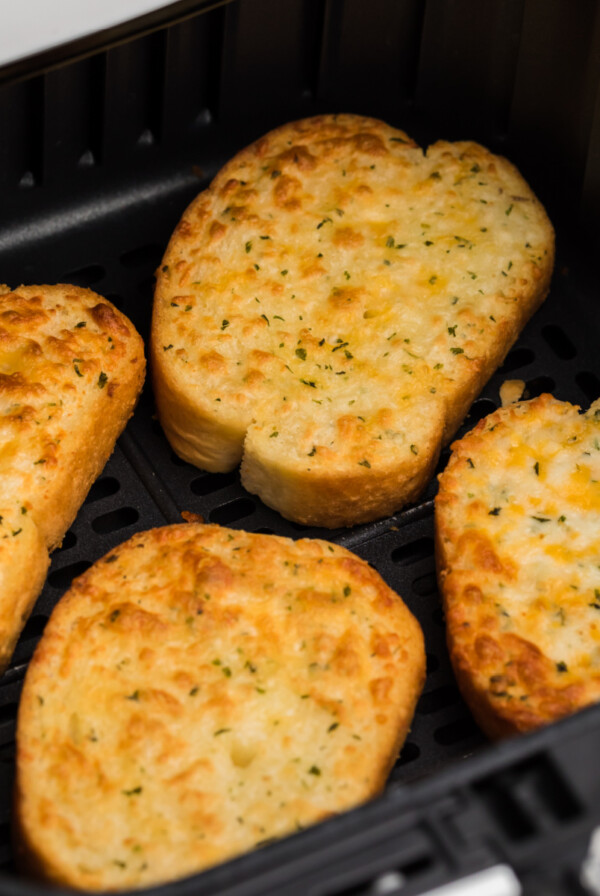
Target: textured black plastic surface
<point x="98" y="160"/>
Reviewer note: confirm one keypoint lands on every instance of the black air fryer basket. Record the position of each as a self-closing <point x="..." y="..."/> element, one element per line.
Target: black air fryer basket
<point x="103" y="142"/>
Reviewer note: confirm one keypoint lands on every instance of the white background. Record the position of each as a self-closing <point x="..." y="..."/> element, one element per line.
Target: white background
<point x="30" y="26"/>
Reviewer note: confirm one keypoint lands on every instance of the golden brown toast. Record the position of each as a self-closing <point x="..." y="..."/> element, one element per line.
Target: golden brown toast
<point x="71" y="369"/>
<point x="327" y="310"/>
<point x="518" y="542"/>
<point x="201" y="690"/>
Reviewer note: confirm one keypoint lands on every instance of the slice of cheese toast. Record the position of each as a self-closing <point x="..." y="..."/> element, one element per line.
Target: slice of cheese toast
<point x="200" y="691"/>
<point x="71" y="368"/>
<point x="328" y="309"/>
<point x="518" y="546"/>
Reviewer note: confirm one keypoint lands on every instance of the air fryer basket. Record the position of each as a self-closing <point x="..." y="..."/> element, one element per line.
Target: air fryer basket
<point x="100" y="151"/>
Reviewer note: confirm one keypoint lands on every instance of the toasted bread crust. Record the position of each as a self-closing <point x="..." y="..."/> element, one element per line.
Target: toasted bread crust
<point x="328" y="309"/>
<point x="517" y="546"/>
<point x="24" y="562"/>
<point x="200" y="690"/>
<point x="71" y="368"/>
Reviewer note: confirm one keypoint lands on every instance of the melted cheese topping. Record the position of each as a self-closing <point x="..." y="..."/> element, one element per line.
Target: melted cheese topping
<point x="527" y="482"/>
<point x="200" y="691"/>
<point x="334" y="277"/>
<point x="63" y="354"/>
<point x="71" y="367"/>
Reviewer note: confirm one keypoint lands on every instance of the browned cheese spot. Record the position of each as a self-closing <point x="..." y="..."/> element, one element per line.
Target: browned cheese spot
<point x="347" y="238"/>
<point x="299" y="156"/>
<point x="108" y="320"/>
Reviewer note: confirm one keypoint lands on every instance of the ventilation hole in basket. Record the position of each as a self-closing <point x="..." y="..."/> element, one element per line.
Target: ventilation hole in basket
<point x="62" y="578"/>
<point x="8" y="713"/>
<point x="69" y="541"/>
<point x="103" y="488"/>
<point x="438" y="699"/>
<point x="480" y="409"/>
<point x="454" y="732"/>
<point x="559" y="342"/>
<point x="538" y="386"/>
<point x="115" y="520"/>
<point x="143" y="256"/>
<point x="425" y="585"/>
<point x="212" y="482"/>
<point x="409" y="753"/>
<point x="433" y="664"/>
<point x="234" y="510"/>
<point x="589" y="384"/>
<point x="519" y="357"/>
<point x="413" y="552"/>
<point x="85" y="276"/>
<point x="34" y="627"/>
